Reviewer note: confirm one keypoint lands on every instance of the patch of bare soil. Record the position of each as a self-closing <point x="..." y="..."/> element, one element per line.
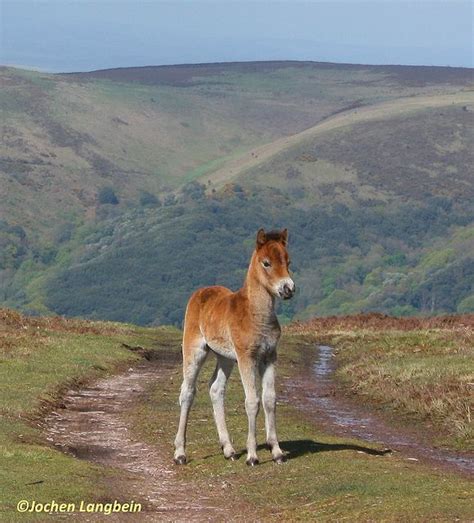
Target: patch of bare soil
<point x="316" y="394"/>
<point x="92" y="425"/>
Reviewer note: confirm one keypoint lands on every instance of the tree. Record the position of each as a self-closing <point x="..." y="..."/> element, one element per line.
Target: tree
<point x="107" y="195"/>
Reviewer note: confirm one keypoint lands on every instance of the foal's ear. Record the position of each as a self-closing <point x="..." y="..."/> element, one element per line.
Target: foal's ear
<point x="261" y="237"/>
<point x="284" y="237"/>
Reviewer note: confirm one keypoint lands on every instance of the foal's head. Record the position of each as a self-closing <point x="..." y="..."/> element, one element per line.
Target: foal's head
<point x="272" y="262"/>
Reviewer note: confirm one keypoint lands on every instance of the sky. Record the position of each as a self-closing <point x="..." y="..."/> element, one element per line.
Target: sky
<point x="83" y="35"/>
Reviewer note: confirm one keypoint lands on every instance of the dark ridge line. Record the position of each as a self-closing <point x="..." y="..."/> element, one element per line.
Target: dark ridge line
<point x="284" y="63"/>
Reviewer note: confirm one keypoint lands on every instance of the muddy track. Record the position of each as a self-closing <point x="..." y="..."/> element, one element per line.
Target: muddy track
<point x="316" y="394"/>
<point x="92" y="425"/>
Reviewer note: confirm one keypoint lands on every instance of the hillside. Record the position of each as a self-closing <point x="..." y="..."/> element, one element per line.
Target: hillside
<point x="150" y="129"/>
<point x="369" y="167"/>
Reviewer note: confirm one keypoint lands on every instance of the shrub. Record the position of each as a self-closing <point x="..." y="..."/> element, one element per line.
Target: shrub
<point x="147" y="199"/>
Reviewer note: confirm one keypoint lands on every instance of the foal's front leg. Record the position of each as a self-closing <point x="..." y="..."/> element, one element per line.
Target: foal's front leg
<point x="217" y="387"/>
<point x="267" y="371"/>
<point x="248" y="373"/>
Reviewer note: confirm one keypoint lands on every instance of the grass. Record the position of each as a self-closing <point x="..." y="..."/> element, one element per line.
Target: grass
<point x="39" y="359"/>
<point x="326" y="478"/>
<point x="207" y="168"/>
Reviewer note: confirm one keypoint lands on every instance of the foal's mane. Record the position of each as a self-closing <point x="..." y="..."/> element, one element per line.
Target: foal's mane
<point x="274" y="235"/>
<point x="265" y="237"/>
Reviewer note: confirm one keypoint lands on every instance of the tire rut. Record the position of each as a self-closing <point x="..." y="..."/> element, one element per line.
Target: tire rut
<point x="92" y="425"/>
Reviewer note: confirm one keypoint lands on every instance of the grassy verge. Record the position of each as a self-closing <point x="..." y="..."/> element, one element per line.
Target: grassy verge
<point x="419" y="369"/>
<point x="40" y="358"/>
<point x="326" y="479"/>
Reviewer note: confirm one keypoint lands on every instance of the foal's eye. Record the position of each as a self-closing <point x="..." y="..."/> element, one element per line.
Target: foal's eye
<point x="266" y="264"/>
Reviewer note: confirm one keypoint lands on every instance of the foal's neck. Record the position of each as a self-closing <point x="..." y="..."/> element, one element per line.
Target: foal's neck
<point x="261" y="302"/>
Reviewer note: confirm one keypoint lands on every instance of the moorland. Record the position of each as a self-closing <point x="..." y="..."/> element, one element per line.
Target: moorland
<point x="129" y="188"/>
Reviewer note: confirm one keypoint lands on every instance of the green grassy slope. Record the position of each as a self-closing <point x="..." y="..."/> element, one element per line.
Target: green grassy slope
<point x="378" y="184"/>
<point x="401" y="151"/>
<point x="360" y="119"/>
<point x="65" y="136"/>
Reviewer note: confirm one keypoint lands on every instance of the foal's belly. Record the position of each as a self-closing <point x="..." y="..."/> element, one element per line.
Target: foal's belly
<point x="222" y="347"/>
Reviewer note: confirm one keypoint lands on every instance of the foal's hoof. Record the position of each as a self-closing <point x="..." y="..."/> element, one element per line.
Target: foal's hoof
<point x="280" y="459"/>
<point x="180" y="460"/>
<point x="231" y="457"/>
<point x="251" y="462"/>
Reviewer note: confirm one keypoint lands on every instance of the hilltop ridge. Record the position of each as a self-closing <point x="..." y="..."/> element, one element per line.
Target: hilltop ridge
<point x="182" y="74"/>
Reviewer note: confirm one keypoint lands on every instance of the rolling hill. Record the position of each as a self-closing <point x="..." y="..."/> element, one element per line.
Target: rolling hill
<point x="128" y="188"/>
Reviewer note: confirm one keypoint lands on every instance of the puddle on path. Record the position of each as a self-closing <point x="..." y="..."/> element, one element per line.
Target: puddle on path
<point x="316" y="394"/>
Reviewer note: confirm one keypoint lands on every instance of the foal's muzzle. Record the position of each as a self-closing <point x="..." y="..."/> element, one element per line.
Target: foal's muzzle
<point x="287" y="290"/>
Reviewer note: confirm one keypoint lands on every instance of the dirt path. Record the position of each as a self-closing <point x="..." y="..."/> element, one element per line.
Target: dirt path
<point x="316" y="394"/>
<point x="92" y="425"/>
<point x="396" y="107"/>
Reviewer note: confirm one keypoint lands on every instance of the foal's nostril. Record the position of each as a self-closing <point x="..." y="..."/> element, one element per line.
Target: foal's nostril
<point x="288" y="290"/>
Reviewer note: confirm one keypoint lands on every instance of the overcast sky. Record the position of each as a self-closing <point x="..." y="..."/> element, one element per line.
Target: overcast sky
<point x="79" y="35"/>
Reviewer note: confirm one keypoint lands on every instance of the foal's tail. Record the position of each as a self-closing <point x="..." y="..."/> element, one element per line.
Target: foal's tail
<point x="194" y="345"/>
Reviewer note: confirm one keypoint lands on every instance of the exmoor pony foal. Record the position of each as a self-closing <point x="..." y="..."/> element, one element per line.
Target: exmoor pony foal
<point x="238" y="327"/>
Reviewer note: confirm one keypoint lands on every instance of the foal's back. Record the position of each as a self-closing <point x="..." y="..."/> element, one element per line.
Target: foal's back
<point x="212" y="315"/>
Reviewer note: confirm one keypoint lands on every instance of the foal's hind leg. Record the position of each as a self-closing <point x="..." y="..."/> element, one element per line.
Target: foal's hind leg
<point x="248" y="373"/>
<point x="194" y="355"/>
<point x="217" y="387"/>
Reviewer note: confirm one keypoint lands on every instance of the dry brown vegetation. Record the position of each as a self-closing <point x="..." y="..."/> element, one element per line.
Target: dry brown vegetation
<point x="26" y="333"/>
<point x="377" y="321"/>
<point x="11" y="321"/>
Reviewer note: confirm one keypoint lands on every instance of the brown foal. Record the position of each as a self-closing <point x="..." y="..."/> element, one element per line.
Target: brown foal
<point x="238" y="327"/>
